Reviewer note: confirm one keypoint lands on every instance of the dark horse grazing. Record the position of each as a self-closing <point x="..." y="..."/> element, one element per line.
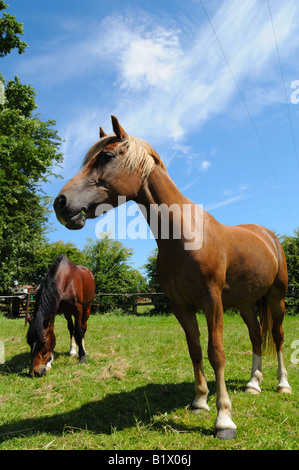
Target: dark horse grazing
<point x="69" y="289"/>
<point x="209" y="267"/>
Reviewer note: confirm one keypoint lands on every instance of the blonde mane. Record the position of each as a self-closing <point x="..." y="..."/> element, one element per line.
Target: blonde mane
<point x="135" y="154"/>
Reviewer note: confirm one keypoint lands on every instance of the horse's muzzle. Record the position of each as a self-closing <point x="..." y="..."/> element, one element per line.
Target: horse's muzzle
<point x="71" y="220"/>
<point x="38" y="372"/>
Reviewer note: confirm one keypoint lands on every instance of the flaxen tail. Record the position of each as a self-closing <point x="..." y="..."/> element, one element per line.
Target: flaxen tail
<point x="266" y="322"/>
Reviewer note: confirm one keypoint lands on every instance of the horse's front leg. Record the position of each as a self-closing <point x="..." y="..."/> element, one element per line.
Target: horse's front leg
<point x="189" y="323"/>
<point x="225" y="428"/>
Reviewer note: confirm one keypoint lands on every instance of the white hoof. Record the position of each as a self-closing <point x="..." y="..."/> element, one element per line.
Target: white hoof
<point x="284" y="387"/>
<point x="224" y="423"/>
<point x="253" y="387"/>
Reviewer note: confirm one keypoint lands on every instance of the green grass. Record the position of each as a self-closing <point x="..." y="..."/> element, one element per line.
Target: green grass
<point x="136" y="389"/>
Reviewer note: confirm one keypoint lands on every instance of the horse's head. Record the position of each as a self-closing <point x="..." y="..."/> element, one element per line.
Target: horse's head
<point x="116" y="165"/>
<point x="41" y="339"/>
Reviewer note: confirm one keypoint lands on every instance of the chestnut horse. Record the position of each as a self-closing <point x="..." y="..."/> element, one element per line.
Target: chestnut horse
<point x="69" y="289"/>
<point x="209" y="267"/>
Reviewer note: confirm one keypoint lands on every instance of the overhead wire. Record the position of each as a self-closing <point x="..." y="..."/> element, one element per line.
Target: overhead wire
<point x="248" y="113"/>
<point x="284" y="86"/>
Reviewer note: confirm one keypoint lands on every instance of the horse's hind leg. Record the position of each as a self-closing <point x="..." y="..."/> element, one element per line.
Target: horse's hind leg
<point x="80" y="329"/>
<point x="70" y="325"/>
<point x="249" y="316"/>
<point x="277" y="307"/>
<point x="85" y="316"/>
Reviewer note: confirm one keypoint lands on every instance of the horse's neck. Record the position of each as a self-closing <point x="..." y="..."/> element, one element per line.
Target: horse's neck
<point x="49" y="299"/>
<point x="160" y="191"/>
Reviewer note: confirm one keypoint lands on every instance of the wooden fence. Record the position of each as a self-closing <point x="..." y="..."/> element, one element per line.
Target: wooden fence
<point x="20" y="304"/>
<point x="128" y="301"/>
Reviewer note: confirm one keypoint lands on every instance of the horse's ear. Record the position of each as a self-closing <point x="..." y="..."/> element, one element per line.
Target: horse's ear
<point x="118" y="130"/>
<point x="102" y="133"/>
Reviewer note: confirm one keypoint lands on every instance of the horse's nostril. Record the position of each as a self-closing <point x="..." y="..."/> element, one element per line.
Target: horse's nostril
<point x="60" y="201"/>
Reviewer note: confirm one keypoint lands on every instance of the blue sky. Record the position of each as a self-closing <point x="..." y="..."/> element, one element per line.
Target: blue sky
<point x="203" y="86"/>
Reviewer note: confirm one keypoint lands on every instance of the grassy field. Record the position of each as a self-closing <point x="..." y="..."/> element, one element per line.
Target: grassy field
<point x="136" y="389"/>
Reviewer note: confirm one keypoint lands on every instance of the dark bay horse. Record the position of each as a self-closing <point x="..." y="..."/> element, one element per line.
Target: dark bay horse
<point x="69" y="289"/>
<point x="210" y="266"/>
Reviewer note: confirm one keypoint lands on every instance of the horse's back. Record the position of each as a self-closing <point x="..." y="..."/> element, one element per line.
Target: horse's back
<point x="75" y="282"/>
<point x="255" y="262"/>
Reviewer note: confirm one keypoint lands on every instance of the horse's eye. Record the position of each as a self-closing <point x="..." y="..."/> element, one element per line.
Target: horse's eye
<point x="103" y="158"/>
<point x="101" y="182"/>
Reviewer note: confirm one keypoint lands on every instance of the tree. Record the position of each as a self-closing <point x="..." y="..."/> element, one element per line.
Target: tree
<point x="153" y="285"/>
<point x="10" y="29"/>
<point x="110" y="262"/>
<point x="45" y="255"/>
<point x="290" y="245"/>
<point x="28" y="151"/>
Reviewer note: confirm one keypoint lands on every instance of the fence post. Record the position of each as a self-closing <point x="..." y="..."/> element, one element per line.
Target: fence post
<point x="134" y="309"/>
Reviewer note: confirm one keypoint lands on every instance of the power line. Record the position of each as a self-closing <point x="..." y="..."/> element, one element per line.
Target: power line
<point x="247" y="110"/>
<point x="284" y="87"/>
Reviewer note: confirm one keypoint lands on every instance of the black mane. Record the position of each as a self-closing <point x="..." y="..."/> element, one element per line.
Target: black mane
<point x="47" y="301"/>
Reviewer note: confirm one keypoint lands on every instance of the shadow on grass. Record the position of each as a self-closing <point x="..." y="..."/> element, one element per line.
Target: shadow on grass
<point x="119" y="411"/>
<point x="115" y="411"/>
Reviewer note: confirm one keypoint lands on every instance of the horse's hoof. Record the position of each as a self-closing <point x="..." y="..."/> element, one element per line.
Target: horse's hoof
<point x="82" y="360"/>
<point x="225" y="434"/>
<point x="253" y="391"/>
<point x="284" y="389"/>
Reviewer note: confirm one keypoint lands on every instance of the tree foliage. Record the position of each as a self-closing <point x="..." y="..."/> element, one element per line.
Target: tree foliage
<point x="290" y="245"/>
<point x="110" y="262"/>
<point x="10" y="30"/>
<point x="153" y="285"/>
<point x="46" y="253"/>
<point x="28" y="150"/>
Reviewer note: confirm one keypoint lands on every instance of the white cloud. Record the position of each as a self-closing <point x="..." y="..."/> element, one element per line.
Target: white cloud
<point x="205" y="165"/>
<point x="174" y="83"/>
<point x="166" y="81"/>
<point x="224" y="202"/>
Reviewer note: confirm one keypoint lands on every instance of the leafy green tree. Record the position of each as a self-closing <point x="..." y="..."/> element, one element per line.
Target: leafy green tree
<point x="150" y="269"/>
<point x="10" y="30"/>
<point x="28" y="151"/>
<point x="110" y="262"/>
<point x="291" y="248"/>
<point x="45" y="254"/>
<point x="153" y="285"/>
